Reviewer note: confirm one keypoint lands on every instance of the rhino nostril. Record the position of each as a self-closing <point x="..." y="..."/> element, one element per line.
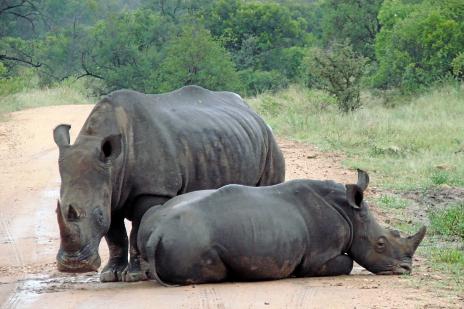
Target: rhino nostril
<point x="406" y="267"/>
<point x="72" y="214"/>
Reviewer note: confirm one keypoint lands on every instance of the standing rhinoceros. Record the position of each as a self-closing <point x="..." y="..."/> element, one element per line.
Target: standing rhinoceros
<point x="298" y="228"/>
<point x="137" y="150"/>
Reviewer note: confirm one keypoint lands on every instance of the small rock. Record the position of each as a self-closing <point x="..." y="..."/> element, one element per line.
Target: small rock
<point x="266" y="303"/>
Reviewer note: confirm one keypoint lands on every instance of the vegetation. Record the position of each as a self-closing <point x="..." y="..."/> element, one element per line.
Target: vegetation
<point x="258" y="45"/>
<point x="67" y="92"/>
<point x="338" y="71"/>
<point x="449" y="222"/>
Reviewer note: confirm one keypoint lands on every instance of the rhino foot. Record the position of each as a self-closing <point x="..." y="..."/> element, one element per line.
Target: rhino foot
<point x="133" y="276"/>
<point x="112" y="272"/>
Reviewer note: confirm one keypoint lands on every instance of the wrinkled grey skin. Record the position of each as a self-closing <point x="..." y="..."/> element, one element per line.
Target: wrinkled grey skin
<point x="135" y="151"/>
<point x="299" y="228"/>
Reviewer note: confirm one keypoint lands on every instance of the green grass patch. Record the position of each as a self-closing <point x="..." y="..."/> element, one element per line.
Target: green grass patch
<point x="450" y="261"/>
<point x="414" y="144"/>
<point x="388" y="201"/>
<point x="449" y="221"/>
<point x="68" y="92"/>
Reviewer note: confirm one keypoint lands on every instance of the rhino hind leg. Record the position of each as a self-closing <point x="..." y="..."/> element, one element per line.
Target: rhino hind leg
<point x="203" y="266"/>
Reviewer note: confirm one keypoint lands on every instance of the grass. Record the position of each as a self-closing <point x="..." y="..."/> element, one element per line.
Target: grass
<point x="449" y="222"/>
<point x="389" y="201"/>
<point x="415" y="144"/>
<point x="68" y="92"/>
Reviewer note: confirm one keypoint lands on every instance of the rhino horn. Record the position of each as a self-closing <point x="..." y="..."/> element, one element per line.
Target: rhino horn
<point x="416" y="239"/>
<point x="59" y="216"/>
<point x="363" y="180"/>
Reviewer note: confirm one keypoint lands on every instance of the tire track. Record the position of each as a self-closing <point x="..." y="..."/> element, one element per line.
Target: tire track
<point x="13" y="299"/>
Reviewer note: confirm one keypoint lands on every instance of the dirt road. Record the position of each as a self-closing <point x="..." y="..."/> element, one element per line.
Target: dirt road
<point x="29" y="239"/>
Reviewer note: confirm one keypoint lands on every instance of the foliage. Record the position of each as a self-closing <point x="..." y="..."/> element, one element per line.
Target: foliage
<point x="458" y="66"/>
<point x="123" y="43"/>
<point x="131" y="58"/>
<point x="338" y="71"/>
<point x="17" y="82"/>
<point x="261" y="36"/>
<point x="255" y="82"/>
<point x="355" y="20"/>
<point x="195" y="58"/>
<point x="418" y="42"/>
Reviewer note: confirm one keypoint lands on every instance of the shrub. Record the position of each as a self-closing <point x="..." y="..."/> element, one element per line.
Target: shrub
<point x="255" y="82"/>
<point x="337" y="70"/>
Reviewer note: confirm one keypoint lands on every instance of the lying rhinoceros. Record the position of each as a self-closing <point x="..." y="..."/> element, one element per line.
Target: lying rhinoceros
<point x="298" y="228"/>
<point x="136" y="150"/>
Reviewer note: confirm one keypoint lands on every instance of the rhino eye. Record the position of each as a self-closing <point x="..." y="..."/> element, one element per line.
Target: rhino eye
<point x="380" y="245"/>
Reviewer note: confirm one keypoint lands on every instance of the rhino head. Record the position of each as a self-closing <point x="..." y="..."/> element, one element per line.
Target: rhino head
<point x="84" y="208"/>
<point x="381" y="251"/>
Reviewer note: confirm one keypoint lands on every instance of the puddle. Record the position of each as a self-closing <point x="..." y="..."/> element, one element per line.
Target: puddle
<point x="38" y="284"/>
<point x="29" y="289"/>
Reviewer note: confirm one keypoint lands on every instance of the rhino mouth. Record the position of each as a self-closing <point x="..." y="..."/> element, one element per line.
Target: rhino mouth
<point x="76" y="264"/>
<point x="401" y="269"/>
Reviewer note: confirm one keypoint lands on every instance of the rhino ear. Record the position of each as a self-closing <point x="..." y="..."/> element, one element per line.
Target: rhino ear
<point x="61" y="135"/>
<point x="354" y="195"/>
<point x="111" y="147"/>
<point x="363" y="180"/>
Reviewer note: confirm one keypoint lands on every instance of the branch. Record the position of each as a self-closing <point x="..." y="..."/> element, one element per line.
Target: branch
<point x="86" y="70"/>
<point x="35" y="65"/>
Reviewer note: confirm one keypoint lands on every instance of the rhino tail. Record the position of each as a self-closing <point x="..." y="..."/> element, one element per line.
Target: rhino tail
<point x="151" y="256"/>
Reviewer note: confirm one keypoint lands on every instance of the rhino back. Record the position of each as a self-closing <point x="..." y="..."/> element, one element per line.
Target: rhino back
<point x="185" y="140"/>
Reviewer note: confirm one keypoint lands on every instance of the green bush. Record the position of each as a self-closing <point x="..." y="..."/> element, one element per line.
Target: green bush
<point x="419" y="42"/>
<point x="20" y="80"/>
<point x="255" y="82"/>
<point x="458" y="66"/>
<point x="196" y="58"/>
<point x="337" y="70"/>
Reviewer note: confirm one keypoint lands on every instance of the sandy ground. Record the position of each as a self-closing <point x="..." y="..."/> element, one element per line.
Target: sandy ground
<point x="29" y="239"/>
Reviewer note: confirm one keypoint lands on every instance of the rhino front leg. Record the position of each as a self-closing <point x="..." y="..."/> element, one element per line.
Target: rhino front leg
<point x="118" y="245"/>
<point x="133" y="271"/>
<point x="339" y="265"/>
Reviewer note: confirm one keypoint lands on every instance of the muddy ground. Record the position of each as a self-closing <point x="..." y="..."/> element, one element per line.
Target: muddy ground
<point x="29" y="239"/>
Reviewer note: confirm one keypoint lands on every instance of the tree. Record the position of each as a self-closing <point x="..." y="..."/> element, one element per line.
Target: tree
<point x="418" y="42"/>
<point x="355" y="20"/>
<point x="194" y="57"/>
<point x="125" y="50"/>
<point x="338" y="70"/>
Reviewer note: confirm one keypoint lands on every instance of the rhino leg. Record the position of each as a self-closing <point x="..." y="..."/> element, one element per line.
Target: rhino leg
<point x="118" y="245"/>
<point x="339" y="265"/>
<point x="133" y="272"/>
